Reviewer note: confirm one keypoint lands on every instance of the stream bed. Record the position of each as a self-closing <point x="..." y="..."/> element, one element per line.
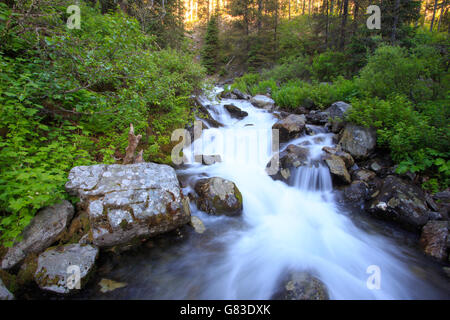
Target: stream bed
<point x="300" y="226"/>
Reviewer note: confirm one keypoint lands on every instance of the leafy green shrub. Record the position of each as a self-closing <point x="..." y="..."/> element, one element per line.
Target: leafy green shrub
<point x="416" y="144"/>
<point x="292" y="68"/>
<point x="246" y="82"/>
<point x="329" y="65"/>
<point x="392" y="70"/>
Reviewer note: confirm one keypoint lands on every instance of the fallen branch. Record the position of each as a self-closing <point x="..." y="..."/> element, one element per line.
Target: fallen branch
<point x="133" y="142"/>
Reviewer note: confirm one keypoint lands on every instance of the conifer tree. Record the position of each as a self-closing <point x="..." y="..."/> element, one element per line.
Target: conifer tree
<point x="210" y="51"/>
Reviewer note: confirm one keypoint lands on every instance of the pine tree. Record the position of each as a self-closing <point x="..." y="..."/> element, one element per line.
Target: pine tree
<point x="210" y="51"/>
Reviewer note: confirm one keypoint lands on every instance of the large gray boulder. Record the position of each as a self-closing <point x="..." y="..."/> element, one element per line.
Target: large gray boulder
<point x="280" y="166"/>
<point x="434" y="239"/>
<point x="337" y="110"/>
<point x="129" y="202"/>
<point x="45" y="228"/>
<point x="5" y="294"/>
<point x="261" y="101"/>
<point x="218" y="196"/>
<point x="57" y="267"/>
<point x="302" y="286"/>
<point x="400" y="201"/>
<point x="358" y="141"/>
<point x="290" y="127"/>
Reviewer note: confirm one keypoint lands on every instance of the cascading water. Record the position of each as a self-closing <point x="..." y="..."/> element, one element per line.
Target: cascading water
<point x="283" y="227"/>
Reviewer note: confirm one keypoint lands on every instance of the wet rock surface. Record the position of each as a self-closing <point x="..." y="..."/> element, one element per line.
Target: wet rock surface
<point x="261" y="101"/>
<point x="235" y="112"/>
<point x="302" y="286"/>
<point x="434" y="239"/>
<point x="56" y="266"/>
<point x="218" y="196"/>
<point x="129" y="202"/>
<point x="290" y="127"/>
<point x="357" y="191"/>
<point x="338" y="169"/>
<point x="400" y="201"/>
<point x="5" y="294"/>
<point x="279" y="167"/>
<point x="45" y="228"/>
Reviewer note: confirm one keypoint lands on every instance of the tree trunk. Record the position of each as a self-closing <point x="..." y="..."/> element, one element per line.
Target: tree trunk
<point x="444" y="3"/>
<point x="276" y="29"/>
<point x="259" y="21"/>
<point x="434" y="14"/>
<point x="394" y="26"/>
<point x="355" y="17"/>
<point x="344" y="23"/>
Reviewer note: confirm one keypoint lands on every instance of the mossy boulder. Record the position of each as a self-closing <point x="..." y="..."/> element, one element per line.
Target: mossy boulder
<point x="400" y="201"/>
<point x="218" y="196"/>
<point x="58" y="266"/>
<point x="127" y="202"/>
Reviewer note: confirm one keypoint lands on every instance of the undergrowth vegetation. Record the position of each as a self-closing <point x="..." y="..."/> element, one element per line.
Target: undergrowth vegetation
<point x="67" y="98"/>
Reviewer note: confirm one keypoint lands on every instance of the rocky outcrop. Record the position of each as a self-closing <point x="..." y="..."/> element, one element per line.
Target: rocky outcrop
<point x="5" y="294"/>
<point x="302" y="286"/>
<point x="358" y="141"/>
<point x="235" y="112"/>
<point x="434" y="239"/>
<point x="337" y="168"/>
<point x="129" y="202"/>
<point x="45" y="228"/>
<point x="292" y="157"/>
<point x="290" y="127"/>
<point x="400" y="201"/>
<point x="264" y="102"/>
<point x="218" y="196"/>
<point x="58" y="266"/>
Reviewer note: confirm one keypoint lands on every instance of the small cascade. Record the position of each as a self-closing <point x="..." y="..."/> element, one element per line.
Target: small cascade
<point x="313" y="177"/>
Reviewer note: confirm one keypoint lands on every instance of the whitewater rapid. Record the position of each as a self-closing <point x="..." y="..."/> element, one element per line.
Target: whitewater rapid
<point x="290" y="227"/>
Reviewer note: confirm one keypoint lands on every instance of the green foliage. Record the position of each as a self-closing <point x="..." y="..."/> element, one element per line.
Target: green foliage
<point x="329" y="65"/>
<point x="393" y="70"/>
<point x="416" y="143"/>
<point x="67" y="99"/>
<point x="292" y="68"/>
<point x="211" y="48"/>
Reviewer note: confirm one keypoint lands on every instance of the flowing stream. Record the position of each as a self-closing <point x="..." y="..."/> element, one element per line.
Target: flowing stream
<point x="300" y="226"/>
